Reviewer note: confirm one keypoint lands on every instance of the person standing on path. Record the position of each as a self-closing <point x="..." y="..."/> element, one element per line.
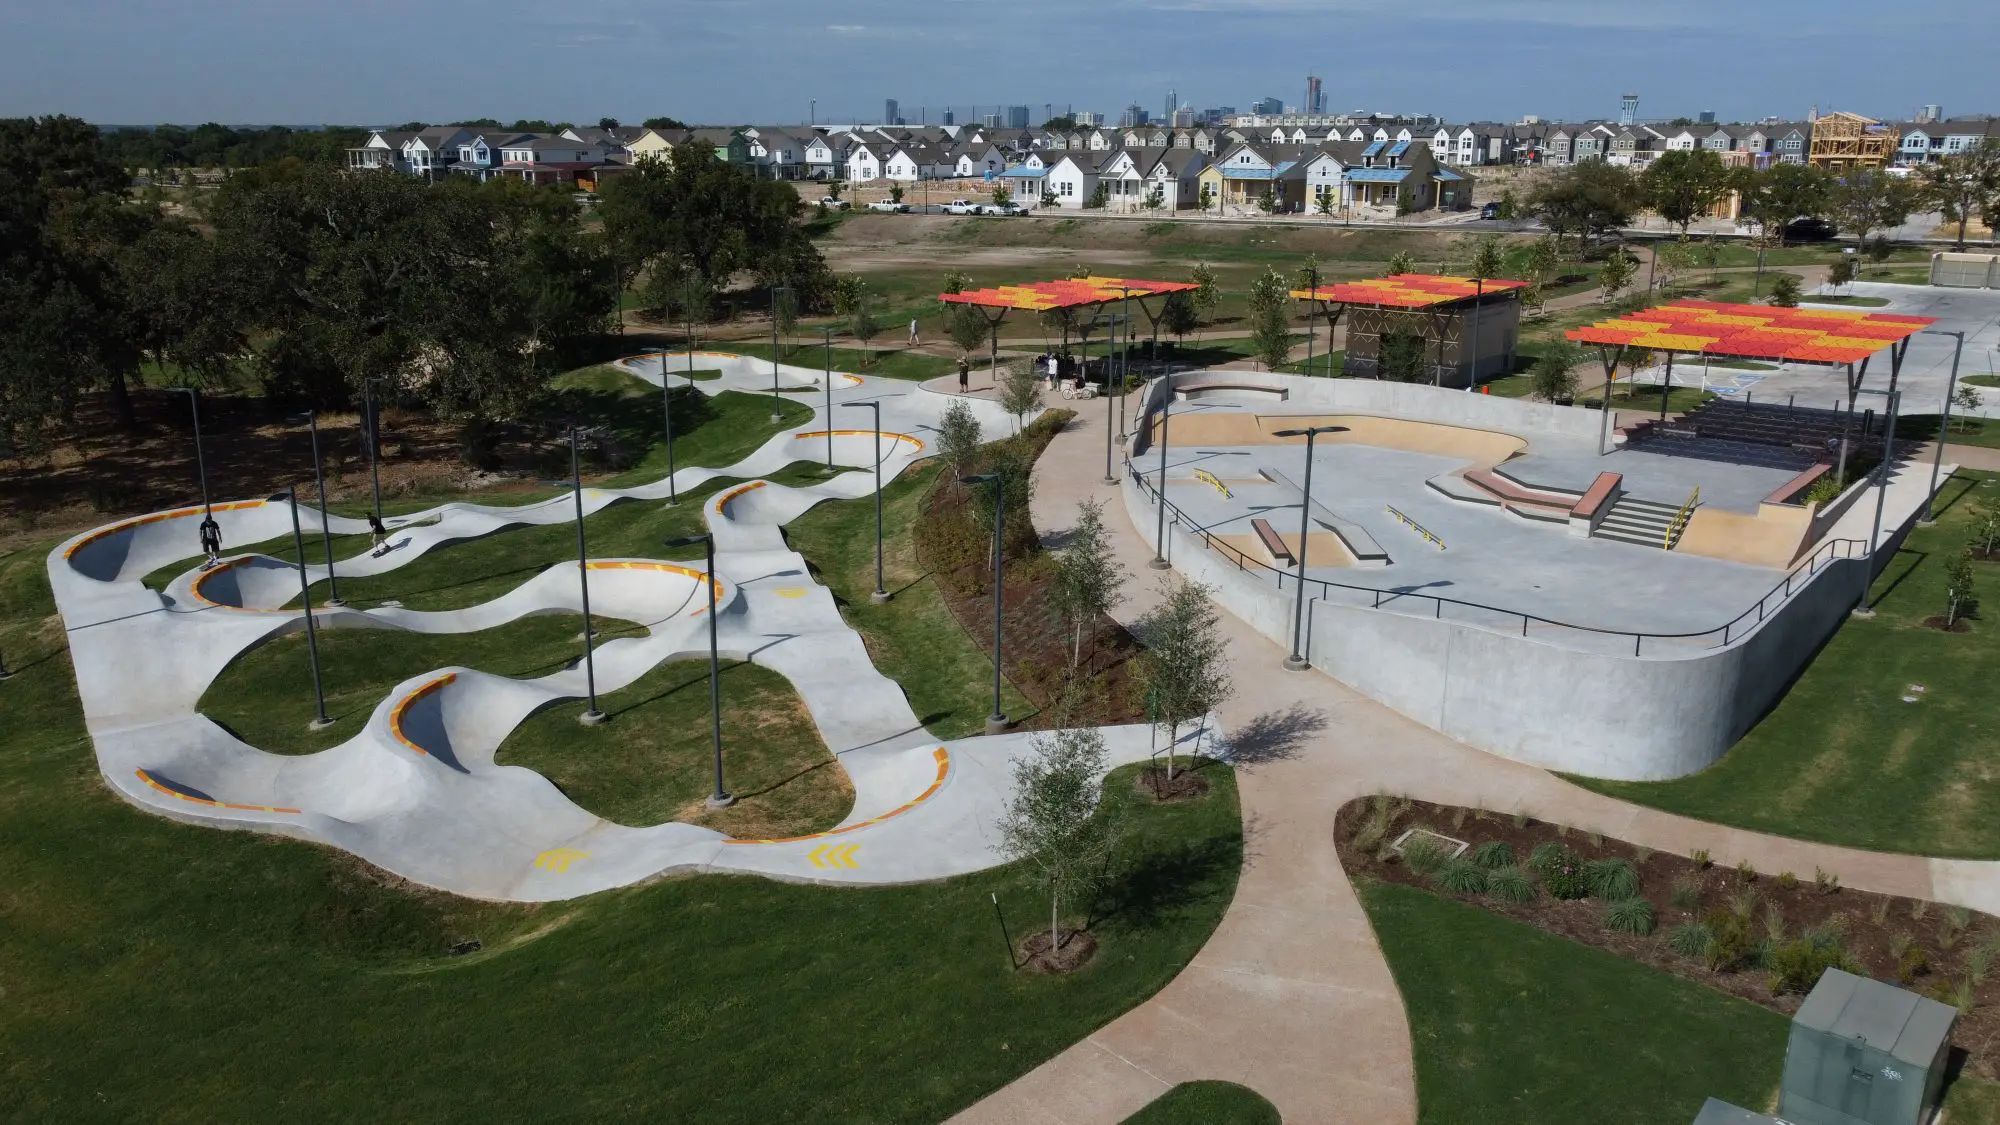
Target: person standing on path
<point x="914" y="338"/>
<point x="964" y="376"/>
<point x="211" y="541"/>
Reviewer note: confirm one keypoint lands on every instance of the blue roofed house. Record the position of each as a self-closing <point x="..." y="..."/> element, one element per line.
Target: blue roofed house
<point x="1249" y="170"/>
<point x="1028" y="180"/>
<point x="1387" y="169"/>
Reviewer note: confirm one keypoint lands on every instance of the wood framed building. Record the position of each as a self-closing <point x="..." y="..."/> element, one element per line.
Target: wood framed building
<point x="1424" y="328"/>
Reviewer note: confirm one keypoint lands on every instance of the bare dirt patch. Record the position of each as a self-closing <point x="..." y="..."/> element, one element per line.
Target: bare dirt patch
<point x="1075" y="951"/>
<point x="1185" y="785"/>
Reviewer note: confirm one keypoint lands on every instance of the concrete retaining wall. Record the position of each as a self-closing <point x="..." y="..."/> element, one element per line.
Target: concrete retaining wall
<point x="1579" y="708"/>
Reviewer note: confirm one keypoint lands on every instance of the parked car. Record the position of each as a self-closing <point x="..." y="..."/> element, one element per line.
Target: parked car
<point x="1490" y="211"/>
<point x="964" y="207"/>
<point x="1810" y="230"/>
<point x="889" y="207"/>
<point x="832" y="204"/>
<point x="1005" y="209"/>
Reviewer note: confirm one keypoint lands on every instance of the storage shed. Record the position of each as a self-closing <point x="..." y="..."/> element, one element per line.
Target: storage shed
<point x="1864" y="1053"/>
<point x="1715" y="1111"/>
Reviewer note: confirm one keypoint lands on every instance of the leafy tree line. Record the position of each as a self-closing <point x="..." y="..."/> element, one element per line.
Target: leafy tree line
<point x="220" y="146"/>
<point x="463" y="297"/>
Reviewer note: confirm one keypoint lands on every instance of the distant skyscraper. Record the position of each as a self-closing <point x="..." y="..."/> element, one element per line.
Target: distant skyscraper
<point x="1134" y="115"/>
<point x="1315" y="96"/>
<point x="1628" y="110"/>
<point x="1267" y="106"/>
<point x="1707" y="117"/>
<point x="1017" y="117"/>
<point x="1183" y="118"/>
<point x="889" y="111"/>
<point x="1088" y="119"/>
<point x="1173" y="103"/>
<point x="1931" y="113"/>
<point x="991" y="120"/>
<point x="950" y="118"/>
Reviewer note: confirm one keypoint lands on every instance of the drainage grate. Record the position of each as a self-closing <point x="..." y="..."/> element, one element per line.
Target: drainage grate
<point x="1456" y="848"/>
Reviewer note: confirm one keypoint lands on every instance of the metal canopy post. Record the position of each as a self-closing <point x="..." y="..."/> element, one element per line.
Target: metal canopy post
<point x="1666" y="386"/>
<point x="1159" y="560"/>
<point x="1944" y="426"/>
<point x="1608" y="355"/>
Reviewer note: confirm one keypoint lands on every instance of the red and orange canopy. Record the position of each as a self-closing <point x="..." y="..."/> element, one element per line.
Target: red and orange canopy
<point x="1756" y="331"/>
<point x="1039" y="295"/>
<point x="1407" y="290"/>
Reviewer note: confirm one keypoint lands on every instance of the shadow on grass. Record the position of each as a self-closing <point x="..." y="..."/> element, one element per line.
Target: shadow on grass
<point x="1905" y="563"/>
<point x="1164" y="883"/>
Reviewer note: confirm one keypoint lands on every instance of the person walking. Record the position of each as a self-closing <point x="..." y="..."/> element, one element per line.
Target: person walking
<point x="914" y="338"/>
<point x="964" y="376"/>
<point x="211" y="541"/>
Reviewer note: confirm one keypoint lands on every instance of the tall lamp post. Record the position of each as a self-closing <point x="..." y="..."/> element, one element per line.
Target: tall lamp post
<point x="1297" y="661"/>
<point x="1478" y="310"/>
<point x="325" y="528"/>
<point x="778" y="292"/>
<point x="591" y="715"/>
<point x="721" y="798"/>
<point x="1110" y="423"/>
<point x="997" y="721"/>
<point x="881" y="593"/>
<point x="320" y="720"/>
<point x="200" y="465"/>
<point x="1944" y="424"/>
<point x="1124" y="352"/>
<point x="1159" y="560"/>
<point x="827" y="333"/>
<point x="374" y="423"/>
<point x="1862" y="608"/>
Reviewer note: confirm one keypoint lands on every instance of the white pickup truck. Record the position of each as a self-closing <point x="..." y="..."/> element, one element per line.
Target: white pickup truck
<point x="889" y="207"/>
<point x="965" y="207"/>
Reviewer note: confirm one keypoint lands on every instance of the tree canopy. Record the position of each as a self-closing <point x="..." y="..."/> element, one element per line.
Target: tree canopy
<point x="1682" y="185"/>
<point x="1586" y="200"/>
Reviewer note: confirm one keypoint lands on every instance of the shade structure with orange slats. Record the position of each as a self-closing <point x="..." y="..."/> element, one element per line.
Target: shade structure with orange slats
<point x="1755" y="331"/>
<point x="1037" y="296"/>
<point x="1408" y="290"/>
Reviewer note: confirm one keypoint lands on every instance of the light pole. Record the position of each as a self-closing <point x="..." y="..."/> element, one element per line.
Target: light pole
<point x="1478" y="311"/>
<point x="374" y="423"/>
<point x="200" y="465"/>
<point x="777" y="413"/>
<point x="827" y="332"/>
<point x="1109" y="423"/>
<point x="1297" y="661"/>
<point x="881" y="593"/>
<point x="997" y="721"/>
<point x="1863" y="609"/>
<point x="1159" y="560"/>
<point x="1944" y="424"/>
<point x="1124" y="352"/>
<point x="591" y="715"/>
<point x="721" y="798"/>
<point x="320" y="721"/>
<point x="325" y="529"/>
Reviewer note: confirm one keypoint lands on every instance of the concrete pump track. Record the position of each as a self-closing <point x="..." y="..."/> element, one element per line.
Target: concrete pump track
<point x="417" y="791"/>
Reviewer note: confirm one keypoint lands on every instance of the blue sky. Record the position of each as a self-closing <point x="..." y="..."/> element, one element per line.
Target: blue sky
<point x="731" y="61"/>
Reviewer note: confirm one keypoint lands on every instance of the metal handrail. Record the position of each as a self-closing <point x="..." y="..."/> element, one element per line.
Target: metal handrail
<point x="1825" y="554"/>
<point x="1680" y="520"/>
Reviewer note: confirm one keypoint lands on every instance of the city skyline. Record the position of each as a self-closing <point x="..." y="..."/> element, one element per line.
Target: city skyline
<point x="1568" y="59"/>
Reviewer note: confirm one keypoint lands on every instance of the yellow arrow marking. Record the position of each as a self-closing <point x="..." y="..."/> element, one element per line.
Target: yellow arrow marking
<point x="837" y="856"/>
<point x="558" y="860"/>
<point x="791" y="591"/>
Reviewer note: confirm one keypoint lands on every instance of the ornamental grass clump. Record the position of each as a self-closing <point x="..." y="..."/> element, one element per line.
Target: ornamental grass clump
<point x="1510" y="884"/>
<point x="1424" y="853"/>
<point x="1611" y="879"/>
<point x="1461" y="877"/>
<point x="1629" y="916"/>
<point x="1494" y="855"/>
<point x="1690" y="939"/>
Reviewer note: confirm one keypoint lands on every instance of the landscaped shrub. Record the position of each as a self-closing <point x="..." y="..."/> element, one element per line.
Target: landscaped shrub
<point x="1787" y="881"/>
<point x="1424" y="853"/>
<point x="1687" y="893"/>
<point x="1796" y="965"/>
<point x="1629" y="916"/>
<point x="1732" y="943"/>
<point x="1510" y="884"/>
<point x="1461" y="877"/>
<point x="1611" y="878"/>
<point x="1561" y="871"/>
<point x="1374" y="828"/>
<point x="1913" y="963"/>
<point x="1690" y="939"/>
<point x="1494" y="854"/>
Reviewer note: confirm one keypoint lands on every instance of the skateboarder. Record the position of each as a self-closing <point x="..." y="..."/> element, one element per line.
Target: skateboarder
<point x="211" y="540"/>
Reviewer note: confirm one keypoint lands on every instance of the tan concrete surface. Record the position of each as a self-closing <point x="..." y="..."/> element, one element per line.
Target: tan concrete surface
<point x="1291" y="996"/>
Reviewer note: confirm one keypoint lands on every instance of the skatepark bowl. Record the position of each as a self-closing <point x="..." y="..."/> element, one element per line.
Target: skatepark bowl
<point x="1475" y="563"/>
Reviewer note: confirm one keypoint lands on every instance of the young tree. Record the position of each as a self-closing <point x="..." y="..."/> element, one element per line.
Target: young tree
<point x="1711" y="256"/>
<point x="1783" y="192"/>
<point x="1402" y="357"/>
<point x="1958" y="586"/>
<point x="1267" y="202"/>
<point x="1207" y="290"/>
<point x="1087" y="580"/>
<point x="1615" y="275"/>
<point x="1204" y="199"/>
<point x="1673" y="261"/>
<point x="1586" y="200"/>
<point x="1099" y="197"/>
<point x="1325" y="202"/>
<point x="1002" y="195"/>
<point x="785" y="312"/>
<point x="1785" y="291"/>
<point x="1270" y="336"/>
<point x="1870" y="199"/>
<point x="958" y="438"/>
<point x="1487" y="261"/>
<point x="895" y="193"/>
<point x="1406" y="201"/>
<point x="1052" y="818"/>
<point x="1986" y="522"/>
<point x="1178" y="316"/>
<point x="1186" y="665"/>
<point x="862" y="325"/>
<point x="1966" y="399"/>
<point x="1401" y="262"/>
<point x="1020" y="393"/>
<point x="1960" y="186"/>
<point x="1842" y="272"/>
<point x="1050" y="199"/>
<point x="1533" y="302"/>
<point x="1553" y="375"/>
<point x="1681" y="185"/>
<point x="1544" y="255"/>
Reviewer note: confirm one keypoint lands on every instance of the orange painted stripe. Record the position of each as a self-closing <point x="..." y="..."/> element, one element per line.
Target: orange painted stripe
<point x="404" y="704"/>
<point x="723" y="500"/>
<point x="212" y="572"/>
<point x="940" y="755"/>
<point x="721" y="588"/>
<point x="865" y="433"/>
<point x="156" y="517"/>
<point x="147" y="777"/>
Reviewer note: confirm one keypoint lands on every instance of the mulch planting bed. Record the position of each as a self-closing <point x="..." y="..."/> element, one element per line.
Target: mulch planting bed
<point x="1078" y="947"/>
<point x="1962" y="625"/>
<point x="1186" y="784"/>
<point x="1875" y="931"/>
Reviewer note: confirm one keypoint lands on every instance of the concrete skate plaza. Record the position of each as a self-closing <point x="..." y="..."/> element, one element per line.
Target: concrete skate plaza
<point x="1491" y="557"/>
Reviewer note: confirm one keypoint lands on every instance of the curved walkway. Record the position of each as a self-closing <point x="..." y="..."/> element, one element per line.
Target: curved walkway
<point x="1291" y="996"/>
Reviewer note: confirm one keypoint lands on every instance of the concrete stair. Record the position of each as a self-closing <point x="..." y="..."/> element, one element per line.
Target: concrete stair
<point x="1641" y="522"/>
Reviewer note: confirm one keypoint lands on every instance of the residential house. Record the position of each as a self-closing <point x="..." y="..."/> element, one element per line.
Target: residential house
<point x="422" y="152"/>
<point x="1252" y="169"/>
<point x="1635" y="146"/>
<point x="1388" y="170"/>
<point x="1680" y="140"/>
<point x="1176" y="176"/>
<point x="479" y="154"/>
<point x="1788" y="143"/>
<point x="1326" y="175"/>
<point x="382" y="149"/>
<point x="775" y="154"/>
<point x="1558" y="147"/>
<point x="541" y="159"/>
<point x="1072" y="178"/>
<point x="866" y="160"/>
<point x="1132" y="175"/>
<point x="613" y="141"/>
<point x="1028" y="179"/>
<point x="824" y="156"/>
<point x="1843" y="141"/>
<point x="1723" y="138"/>
<point x="1931" y="141"/>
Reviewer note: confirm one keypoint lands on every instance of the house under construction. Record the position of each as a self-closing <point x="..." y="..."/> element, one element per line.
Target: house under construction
<point x="1844" y="141"/>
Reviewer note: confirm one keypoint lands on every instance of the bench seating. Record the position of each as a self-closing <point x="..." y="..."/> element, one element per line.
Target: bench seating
<point x="1272" y="541"/>
<point x="1185" y="389"/>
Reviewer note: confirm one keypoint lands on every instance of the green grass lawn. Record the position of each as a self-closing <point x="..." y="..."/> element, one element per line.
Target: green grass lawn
<point x="1842" y="758"/>
<point x="651" y="761"/>
<point x="1680" y="400"/>
<point x="913" y="638"/>
<point x="161" y="972"/>
<point x="1845" y="299"/>
<point x="1207" y="1103"/>
<point x="888" y="359"/>
<point x="1981" y="432"/>
<point x="711" y="432"/>
<point x="1324" y="365"/>
<point x="1511" y="1024"/>
<point x="266" y="695"/>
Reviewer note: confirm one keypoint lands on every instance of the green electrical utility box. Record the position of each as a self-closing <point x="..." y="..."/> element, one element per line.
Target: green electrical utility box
<point x="1715" y="1111"/>
<point x="1864" y="1053"/>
